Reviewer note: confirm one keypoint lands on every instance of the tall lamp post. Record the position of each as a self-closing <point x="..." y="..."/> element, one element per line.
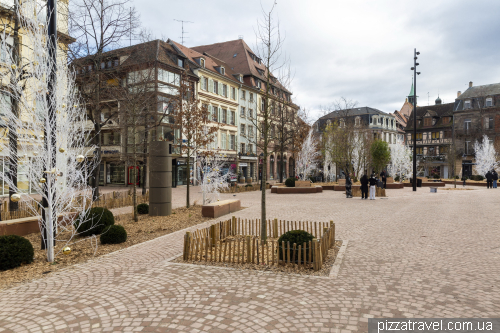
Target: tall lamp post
<point x="415" y="73"/>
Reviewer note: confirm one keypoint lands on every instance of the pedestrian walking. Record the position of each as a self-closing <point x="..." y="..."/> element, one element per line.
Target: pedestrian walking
<point x="348" y="186"/>
<point x="495" y="178"/>
<point x="373" y="185"/>
<point x="489" y="180"/>
<point x="384" y="178"/>
<point x="364" y="186"/>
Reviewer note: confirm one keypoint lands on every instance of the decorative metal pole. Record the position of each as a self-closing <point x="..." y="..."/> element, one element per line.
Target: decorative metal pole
<point x="415" y="73"/>
<point x="50" y="139"/>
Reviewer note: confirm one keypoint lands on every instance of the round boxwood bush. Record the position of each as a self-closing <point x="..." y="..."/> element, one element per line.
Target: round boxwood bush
<point x="290" y="182"/>
<point x="143" y="208"/>
<point x="94" y="221"/>
<point x="114" y="234"/>
<point x="298" y="237"/>
<point x="15" y="251"/>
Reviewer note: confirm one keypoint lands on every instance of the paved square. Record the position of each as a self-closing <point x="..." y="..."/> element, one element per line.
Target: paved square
<point x="410" y="255"/>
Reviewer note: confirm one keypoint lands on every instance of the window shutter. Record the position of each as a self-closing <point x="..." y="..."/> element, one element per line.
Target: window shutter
<point x="202" y="83"/>
<point x="210" y="85"/>
<point x="219" y="116"/>
<point x="220" y="89"/>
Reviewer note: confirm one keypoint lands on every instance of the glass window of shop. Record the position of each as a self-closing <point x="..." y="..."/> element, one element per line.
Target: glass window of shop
<point x="23" y="182"/>
<point x="115" y="173"/>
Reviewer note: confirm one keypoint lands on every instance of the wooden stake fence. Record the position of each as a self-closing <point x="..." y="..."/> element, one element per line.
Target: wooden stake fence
<point x="237" y="241"/>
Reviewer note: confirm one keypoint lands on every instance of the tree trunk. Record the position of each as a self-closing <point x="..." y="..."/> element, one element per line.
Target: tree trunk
<point x="263" y="225"/>
<point x="187" y="179"/>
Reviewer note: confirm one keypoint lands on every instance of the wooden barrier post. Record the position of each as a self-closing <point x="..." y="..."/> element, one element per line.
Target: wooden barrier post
<point x="315" y="254"/>
<point x="332" y="228"/>
<point x="275" y="228"/>
<point x="249" y="250"/>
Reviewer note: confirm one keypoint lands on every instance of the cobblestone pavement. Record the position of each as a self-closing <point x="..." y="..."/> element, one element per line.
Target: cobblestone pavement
<point x="410" y="255"/>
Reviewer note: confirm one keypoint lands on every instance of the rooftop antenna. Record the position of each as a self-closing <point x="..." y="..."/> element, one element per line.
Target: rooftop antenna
<point x="183" y="32"/>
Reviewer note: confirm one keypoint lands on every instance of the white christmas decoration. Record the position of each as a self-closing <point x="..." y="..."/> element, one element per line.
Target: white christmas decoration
<point x="308" y="157"/>
<point x="28" y="84"/>
<point x="401" y="160"/>
<point x="486" y="156"/>
<point x="211" y="177"/>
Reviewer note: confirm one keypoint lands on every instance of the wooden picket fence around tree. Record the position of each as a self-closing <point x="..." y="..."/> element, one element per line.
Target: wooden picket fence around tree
<point x="236" y="241"/>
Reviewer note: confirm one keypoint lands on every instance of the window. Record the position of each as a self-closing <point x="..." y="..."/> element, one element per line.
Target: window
<point x="242" y="129"/>
<point x="170" y="78"/>
<point x="273" y="131"/>
<point x="467" y="148"/>
<point x="447" y="134"/>
<point x="223" y="139"/>
<point x="222" y="70"/>
<point x="443" y="149"/>
<point x="111" y="139"/>
<point x="250" y="148"/>
<point x="250" y="131"/>
<point x="357" y="121"/>
<point x="103" y="65"/>
<point x="240" y="78"/>
<point x="233" y="93"/>
<point x="110" y="64"/>
<point x="180" y="62"/>
<point x="242" y="149"/>
<point x="467" y="126"/>
<point x="488" y="123"/>
<point x="427" y="121"/>
<point x="242" y="111"/>
<point x="250" y="113"/>
<point x="273" y="105"/>
<point x="202" y="62"/>
<point x="243" y="94"/>
<point x="262" y="105"/>
<point x="224" y="90"/>
<point x="232" y="142"/>
<point x="224" y="116"/>
<point x="216" y="87"/>
<point x="467" y="104"/>
<point x="251" y="97"/>
<point x="419" y="136"/>
<point x="203" y="83"/>
<point x="435" y="135"/>
<point x="419" y="150"/>
<point x="231" y="117"/>
<point x="489" y="101"/>
<point x="258" y="84"/>
<point x="446" y="120"/>
<point x="214" y="113"/>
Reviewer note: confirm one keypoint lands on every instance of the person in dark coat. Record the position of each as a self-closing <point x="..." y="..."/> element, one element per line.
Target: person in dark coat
<point x="364" y="186"/>
<point x="348" y="186"/>
<point x="373" y="185"/>
<point x="489" y="180"/>
<point x="495" y="178"/>
<point x="384" y="178"/>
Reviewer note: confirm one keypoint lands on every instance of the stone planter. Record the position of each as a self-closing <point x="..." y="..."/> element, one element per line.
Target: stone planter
<point x="302" y="183"/>
<point x="242" y="180"/>
<point x="249" y="180"/>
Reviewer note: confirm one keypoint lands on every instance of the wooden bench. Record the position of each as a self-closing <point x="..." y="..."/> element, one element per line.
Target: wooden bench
<point x="219" y="208"/>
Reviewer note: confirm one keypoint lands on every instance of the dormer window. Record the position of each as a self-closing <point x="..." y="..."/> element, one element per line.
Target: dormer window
<point x="202" y="63"/>
<point x="427" y="121"/>
<point x="257" y="82"/>
<point x="489" y="101"/>
<point x="467" y="104"/>
<point x="240" y="78"/>
<point x="180" y="62"/>
<point x="223" y="71"/>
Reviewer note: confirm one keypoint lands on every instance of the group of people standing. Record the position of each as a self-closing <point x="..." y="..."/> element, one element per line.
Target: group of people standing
<point x="365" y="182"/>
<point x="491" y="179"/>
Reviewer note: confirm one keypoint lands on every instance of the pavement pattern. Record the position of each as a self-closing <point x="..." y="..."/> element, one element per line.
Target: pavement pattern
<point x="414" y="254"/>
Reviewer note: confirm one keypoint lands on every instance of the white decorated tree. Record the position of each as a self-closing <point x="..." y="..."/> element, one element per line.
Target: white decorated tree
<point x="47" y="137"/>
<point x="212" y="177"/>
<point x="401" y="160"/>
<point x="308" y="157"/>
<point x="486" y="156"/>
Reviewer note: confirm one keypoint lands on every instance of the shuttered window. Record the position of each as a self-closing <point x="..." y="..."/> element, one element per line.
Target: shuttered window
<point x="210" y="85"/>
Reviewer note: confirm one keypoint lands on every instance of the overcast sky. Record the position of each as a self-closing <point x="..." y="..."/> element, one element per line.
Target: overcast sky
<point x="361" y="50"/>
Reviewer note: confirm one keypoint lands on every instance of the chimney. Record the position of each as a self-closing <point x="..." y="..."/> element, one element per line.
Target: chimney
<point x="470" y="84"/>
<point x="459" y="93"/>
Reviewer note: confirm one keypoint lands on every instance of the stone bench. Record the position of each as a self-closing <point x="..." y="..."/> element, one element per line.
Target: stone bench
<point x="219" y="208"/>
<point x="296" y="190"/>
<point x="24" y="226"/>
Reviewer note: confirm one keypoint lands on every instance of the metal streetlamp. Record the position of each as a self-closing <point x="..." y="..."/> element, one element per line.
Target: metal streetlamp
<point x="415" y="73"/>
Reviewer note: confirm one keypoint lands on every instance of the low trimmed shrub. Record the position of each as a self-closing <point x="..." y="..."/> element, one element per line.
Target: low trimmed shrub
<point x="290" y="182"/>
<point x="397" y="178"/>
<point x="15" y="251"/>
<point x="298" y="237"/>
<point x="143" y="208"/>
<point x="248" y="185"/>
<point x="94" y="223"/>
<point x="114" y="234"/>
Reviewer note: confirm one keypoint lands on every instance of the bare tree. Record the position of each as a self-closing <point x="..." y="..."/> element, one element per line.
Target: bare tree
<point x="269" y="49"/>
<point x="192" y="119"/>
<point x="98" y="26"/>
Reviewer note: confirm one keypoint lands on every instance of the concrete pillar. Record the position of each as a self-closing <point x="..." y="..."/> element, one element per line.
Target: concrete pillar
<point x="160" y="178"/>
